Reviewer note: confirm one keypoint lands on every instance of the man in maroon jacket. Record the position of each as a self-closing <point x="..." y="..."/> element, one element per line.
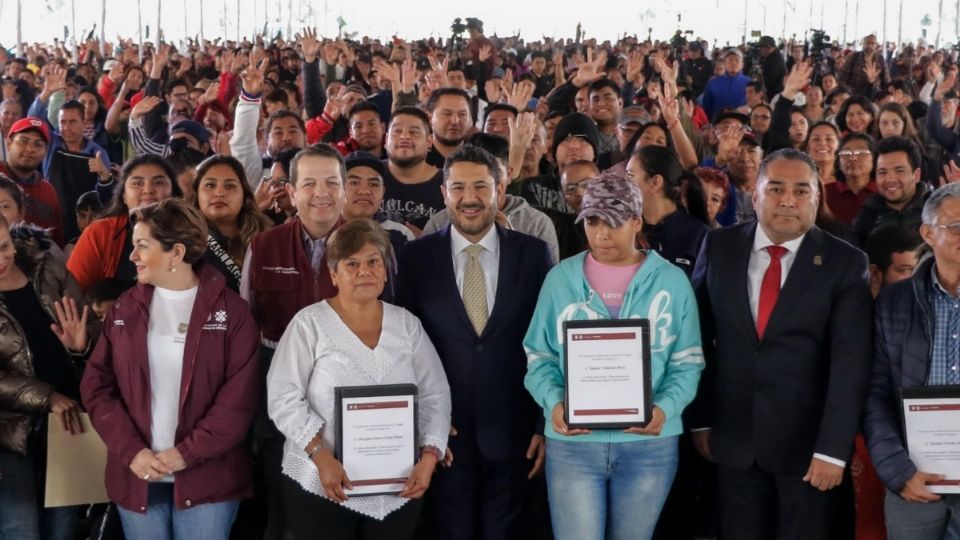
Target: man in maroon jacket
<point x="285" y="271"/>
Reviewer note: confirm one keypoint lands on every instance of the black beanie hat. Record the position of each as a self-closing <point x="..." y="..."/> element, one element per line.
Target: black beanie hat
<point x="576" y="124"/>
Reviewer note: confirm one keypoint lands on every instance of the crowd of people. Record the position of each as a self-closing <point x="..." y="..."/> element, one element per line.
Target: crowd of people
<point x="199" y="245"/>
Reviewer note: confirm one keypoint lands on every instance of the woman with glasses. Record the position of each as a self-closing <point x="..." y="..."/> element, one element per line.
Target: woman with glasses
<point x="854" y="179"/>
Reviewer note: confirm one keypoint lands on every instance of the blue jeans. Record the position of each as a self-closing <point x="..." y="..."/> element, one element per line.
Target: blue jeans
<point x="20" y="517"/>
<point x="921" y="521"/>
<point x="164" y="521"/>
<point x="611" y="491"/>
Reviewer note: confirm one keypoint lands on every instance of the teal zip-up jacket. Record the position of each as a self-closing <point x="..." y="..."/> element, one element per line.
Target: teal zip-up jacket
<point x="659" y="292"/>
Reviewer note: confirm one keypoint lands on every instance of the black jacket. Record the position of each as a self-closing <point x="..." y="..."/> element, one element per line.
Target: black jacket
<point x="875" y="214"/>
<point x="799" y="390"/>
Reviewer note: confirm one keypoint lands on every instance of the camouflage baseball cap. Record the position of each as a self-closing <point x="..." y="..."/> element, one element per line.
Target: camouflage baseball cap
<point x="612" y="198"/>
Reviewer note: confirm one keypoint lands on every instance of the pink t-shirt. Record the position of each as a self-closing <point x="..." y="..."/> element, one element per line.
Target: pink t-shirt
<point x="610" y="282"/>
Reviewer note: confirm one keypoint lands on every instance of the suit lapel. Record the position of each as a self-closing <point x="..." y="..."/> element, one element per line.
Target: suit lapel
<point x="507" y="270"/>
<point x="443" y="262"/>
<point x="741" y="281"/>
<point x="803" y="272"/>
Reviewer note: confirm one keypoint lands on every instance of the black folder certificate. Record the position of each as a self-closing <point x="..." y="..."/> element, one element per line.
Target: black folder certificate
<point x="607" y="373"/>
<point x="931" y="420"/>
<point x="377" y="436"/>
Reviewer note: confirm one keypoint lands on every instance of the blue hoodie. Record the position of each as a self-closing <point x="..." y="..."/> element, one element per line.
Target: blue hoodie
<point x="660" y="292"/>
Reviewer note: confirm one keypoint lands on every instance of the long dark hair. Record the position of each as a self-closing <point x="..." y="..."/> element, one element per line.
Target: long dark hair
<point x="117" y="206"/>
<point x="632" y="144"/>
<point x="682" y="187"/>
<point x="250" y="221"/>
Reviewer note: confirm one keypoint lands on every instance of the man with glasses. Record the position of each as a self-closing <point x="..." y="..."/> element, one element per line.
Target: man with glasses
<point x="919" y="320"/>
<point x="26" y="147"/>
<point x="900" y="193"/>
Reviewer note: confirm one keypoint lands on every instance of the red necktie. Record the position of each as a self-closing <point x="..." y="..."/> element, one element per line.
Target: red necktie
<point x="769" y="288"/>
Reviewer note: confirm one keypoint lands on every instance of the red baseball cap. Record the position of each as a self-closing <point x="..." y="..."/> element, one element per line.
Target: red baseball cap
<point x="30" y="123"/>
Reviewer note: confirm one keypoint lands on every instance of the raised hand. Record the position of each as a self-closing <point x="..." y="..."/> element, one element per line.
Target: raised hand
<point x="116" y="73"/>
<point x="590" y="70"/>
<point x="309" y="44"/>
<point x="71" y="325"/>
<point x="408" y="75"/>
<point x="797" y="80"/>
<point x="387" y="71"/>
<point x="335" y="104"/>
<point x="160" y="61"/>
<point x="518" y="95"/>
<point x="872" y="70"/>
<point x="669" y="106"/>
<point x="635" y="68"/>
<point x="56" y="80"/>
<point x="144" y="106"/>
<point x="485" y="53"/>
<point x="947" y="84"/>
<point x="951" y="173"/>
<point x="211" y="94"/>
<point x="253" y="76"/>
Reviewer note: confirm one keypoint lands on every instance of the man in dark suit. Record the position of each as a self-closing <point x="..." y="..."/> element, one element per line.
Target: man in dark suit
<point x="785" y="310"/>
<point x="474" y="286"/>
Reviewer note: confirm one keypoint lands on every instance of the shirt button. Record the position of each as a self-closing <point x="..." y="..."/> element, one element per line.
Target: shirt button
<point x="188" y="502"/>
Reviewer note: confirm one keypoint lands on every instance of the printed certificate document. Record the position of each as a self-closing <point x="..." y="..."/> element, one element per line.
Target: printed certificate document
<point x="607" y="373"/>
<point x="376" y="436"/>
<point x="931" y="422"/>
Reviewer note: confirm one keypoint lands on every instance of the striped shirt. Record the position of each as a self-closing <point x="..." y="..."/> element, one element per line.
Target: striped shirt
<point x="945" y="358"/>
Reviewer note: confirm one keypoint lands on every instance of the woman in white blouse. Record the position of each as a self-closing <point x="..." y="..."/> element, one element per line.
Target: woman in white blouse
<point x="352" y="339"/>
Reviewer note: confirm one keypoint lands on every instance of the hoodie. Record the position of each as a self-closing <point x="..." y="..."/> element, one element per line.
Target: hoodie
<point x="523" y="218"/>
<point x="659" y="292"/>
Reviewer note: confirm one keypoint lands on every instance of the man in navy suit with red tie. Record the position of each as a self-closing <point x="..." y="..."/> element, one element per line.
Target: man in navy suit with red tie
<point x="474" y="286"/>
<point x="786" y="315"/>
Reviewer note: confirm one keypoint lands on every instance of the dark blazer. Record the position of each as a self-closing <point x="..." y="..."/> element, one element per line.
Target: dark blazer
<point x="903" y="352"/>
<point x="800" y="390"/>
<point x="485" y="372"/>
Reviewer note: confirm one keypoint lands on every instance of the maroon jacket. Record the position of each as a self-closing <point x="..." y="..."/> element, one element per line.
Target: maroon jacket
<point x="218" y="395"/>
<point x="282" y="280"/>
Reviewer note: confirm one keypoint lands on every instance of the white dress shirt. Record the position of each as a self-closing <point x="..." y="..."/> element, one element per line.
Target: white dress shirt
<point x="317" y="353"/>
<point x="757" y="267"/>
<point x="489" y="260"/>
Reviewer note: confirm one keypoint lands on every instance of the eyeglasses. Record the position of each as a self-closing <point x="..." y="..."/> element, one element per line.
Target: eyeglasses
<point x="853" y="153"/>
<point x="953" y="228"/>
<point x="36" y="143"/>
<point x="576" y="187"/>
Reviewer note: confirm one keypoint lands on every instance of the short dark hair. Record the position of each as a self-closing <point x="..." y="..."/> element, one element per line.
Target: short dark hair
<point x="598" y="85"/>
<point x="362" y="106"/>
<point x="277" y="96"/>
<point x="89" y="202"/>
<point x="319" y="150"/>
<point x="493" y="107"/>
<point x="791" y="154"/>
<point x="284" y="158"/>
<point x="106" y="289"/>
<point x="73" y="105"/>
<point x="890" y="145"/>
<point x="469" y="153"/>
<point x="175" y="221"/>
<point x="495" y="144"/>
<point x="168" y="88"/>
<point x="884" y="241"/>
<point x="446" y="91"/>
<point x="412" y="111"/>
<point x="283" y="113"/>
<point x="756" y="85"/>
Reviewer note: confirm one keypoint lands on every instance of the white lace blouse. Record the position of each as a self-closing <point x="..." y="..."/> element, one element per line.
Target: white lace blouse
<point x="317" y="353"/>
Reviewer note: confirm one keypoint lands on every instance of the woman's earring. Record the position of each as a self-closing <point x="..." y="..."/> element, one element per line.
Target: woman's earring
<point x="173" y="268"/>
